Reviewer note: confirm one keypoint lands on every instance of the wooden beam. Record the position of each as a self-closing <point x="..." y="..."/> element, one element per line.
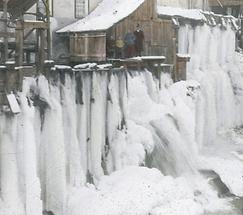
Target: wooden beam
<point x="5" y="16"/>
<point x="48" y="37"/>
<point x="35" y="24"/>
<point x="19" y="54"/>
<point x="28" y="34"/>
<point x="41" y="52"/>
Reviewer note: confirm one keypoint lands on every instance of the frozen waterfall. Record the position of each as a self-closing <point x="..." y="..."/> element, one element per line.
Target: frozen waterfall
<point x="77" y="127"/>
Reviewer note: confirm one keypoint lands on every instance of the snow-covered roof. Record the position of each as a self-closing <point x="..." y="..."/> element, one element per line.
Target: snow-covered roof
<point x="108" y="13"/>
<point x="194" y="14"/>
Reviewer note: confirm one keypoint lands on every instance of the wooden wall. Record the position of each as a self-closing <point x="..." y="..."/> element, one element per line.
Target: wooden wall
<point x="88" y="47"/>
<point x="225" y="2"/>
<point x="158" y="33"/>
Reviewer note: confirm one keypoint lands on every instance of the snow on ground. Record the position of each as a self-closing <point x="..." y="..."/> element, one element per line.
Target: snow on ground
<point x="4" y="210"/>
<point x="141" y="191"/>
<point x="229" y="170"/>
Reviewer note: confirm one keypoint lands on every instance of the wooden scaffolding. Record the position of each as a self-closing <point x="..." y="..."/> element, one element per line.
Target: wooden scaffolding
<point x="15" y="44"/>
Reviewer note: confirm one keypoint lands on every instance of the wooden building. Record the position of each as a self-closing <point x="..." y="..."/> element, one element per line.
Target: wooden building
<point x="89" y="36"/>
<point x="227" y="7"/>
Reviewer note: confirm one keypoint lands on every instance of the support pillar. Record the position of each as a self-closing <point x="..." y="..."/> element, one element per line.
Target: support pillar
<point x="5" y="16"/>
<point x="48" y="30"/>
<point x="181" y="67"/>
<point x="41" y="51"/>
<point x="19" y="55"/>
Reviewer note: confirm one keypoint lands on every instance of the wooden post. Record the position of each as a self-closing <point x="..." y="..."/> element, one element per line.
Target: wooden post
<point x="174" y="58"/>
<point x="241" y="21"/>
<point x="28" y="54"/>
<point x="5" y="16"/>
<point x="9" y="78"/>
<point x="86" y="46"/>
<point x="48" y="30"/>
<point x="181" y="67"/>
<point x="37" y="37"/>
<point x="41" y="52"/>
<point x="19" y="43"/>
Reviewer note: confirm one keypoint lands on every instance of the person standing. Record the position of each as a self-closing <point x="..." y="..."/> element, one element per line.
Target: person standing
<point x="139" y="35"/>
<point x="119" y="47"/>
<point x="129" y="40"/>
<point x="110" y="47"/>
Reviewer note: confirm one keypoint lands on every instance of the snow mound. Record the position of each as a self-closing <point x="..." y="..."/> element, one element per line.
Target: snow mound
<point x="136" y="190"/>
<point x="230" y="172"/>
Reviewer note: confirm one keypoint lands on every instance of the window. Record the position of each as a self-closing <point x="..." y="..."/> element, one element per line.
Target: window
<point x="79" y="8"/>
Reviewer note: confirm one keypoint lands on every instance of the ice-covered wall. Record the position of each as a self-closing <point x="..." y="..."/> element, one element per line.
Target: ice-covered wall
<point x="76" y="128"/>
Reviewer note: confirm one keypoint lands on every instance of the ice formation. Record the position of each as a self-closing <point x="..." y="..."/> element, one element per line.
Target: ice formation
<point x="77" y="128"/>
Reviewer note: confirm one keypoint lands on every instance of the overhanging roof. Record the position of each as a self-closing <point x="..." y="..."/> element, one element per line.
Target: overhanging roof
<point x="18" y="7"/>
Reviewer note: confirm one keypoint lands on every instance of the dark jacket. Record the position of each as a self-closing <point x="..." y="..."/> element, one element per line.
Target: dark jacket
<point x="139" y="39"/>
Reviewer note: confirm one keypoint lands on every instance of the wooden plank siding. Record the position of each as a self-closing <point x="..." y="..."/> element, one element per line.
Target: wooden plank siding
<point x="225" y="2"/>
<point x="88" y="47"/>
<point x="159" y="34"/>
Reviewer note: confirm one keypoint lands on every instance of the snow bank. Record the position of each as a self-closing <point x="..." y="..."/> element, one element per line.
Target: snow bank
<point x="138" y="190"/>
<point x="229" y="170"/>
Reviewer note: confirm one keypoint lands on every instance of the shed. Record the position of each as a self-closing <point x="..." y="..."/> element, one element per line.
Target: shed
<point x="112" y="20"/>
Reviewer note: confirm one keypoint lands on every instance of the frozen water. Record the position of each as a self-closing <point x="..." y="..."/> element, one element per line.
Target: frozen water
<point x="77" y="128"/>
